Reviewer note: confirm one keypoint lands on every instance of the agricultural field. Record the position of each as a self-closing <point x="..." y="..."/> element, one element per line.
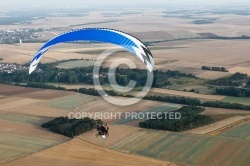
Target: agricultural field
<point x="239" y="69"/>
<point x="117" y="134"/>
<point x="8" y="90"/>
<point x="219" y="114"/>
<point x="40" y="110"/>
<point x="76" y="64"/>
<point x="77" y="152"/>
<point x="75" y="102"/>
<point x="156" y="109"/>
<point x="31" y="93"/>
<point x="186" y="94"/>
<point x="20" y="136"/>
<point x="187" y="54"/>
<point x="182" y="83"/>
<point x="6" y="99"/>
<point x="194" y="55"/>
<point x="240" y="131"/>
<point x="70" y="102"/>
<point x="101" y="106"/>
<point x="23" y="53"/>
<point x="222" y="111"/>
<point x="176" y="58"/>
<point x="21" y="132"/>
<point x="26" y="101"/>
<point x="187" y="149"/>
<point x="213" y="75"/>
<point x="45" y="94"/>
<point x="22" y="110"/>
<point x="20" y="118"/>
<point x="220" y="126"/>
<point x="242" y="100"/>
<point x="20" y="53"/>
<point x="13" y="103"/>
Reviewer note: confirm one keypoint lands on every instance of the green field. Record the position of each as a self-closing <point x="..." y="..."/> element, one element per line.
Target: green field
<point x="20" y="136"/>
<point x="187" y="149"/>
<point x="92" y="52"/>
<point x="161" y="108"/>
<point x="241" y="100"/>
<point x="76" y="64"/>
<point x="182" y="83"/>
<point x="70" y="102"/>
<point x="23" y="119"/>
<point x="242" y="131"/>
<point x="14" y="146"/>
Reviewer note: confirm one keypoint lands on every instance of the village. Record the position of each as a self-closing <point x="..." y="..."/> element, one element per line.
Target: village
<point x="10" y="67"/>
<point x="19" y="35"/>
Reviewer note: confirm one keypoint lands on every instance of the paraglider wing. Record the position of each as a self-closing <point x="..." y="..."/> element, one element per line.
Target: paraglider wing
<point x="122" y="39"/>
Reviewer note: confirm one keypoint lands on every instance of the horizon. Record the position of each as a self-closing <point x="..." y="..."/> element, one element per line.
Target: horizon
<point x="110" y="3"/>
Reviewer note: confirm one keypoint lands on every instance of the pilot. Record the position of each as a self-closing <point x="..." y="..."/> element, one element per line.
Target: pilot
<point x="102" y="129"/>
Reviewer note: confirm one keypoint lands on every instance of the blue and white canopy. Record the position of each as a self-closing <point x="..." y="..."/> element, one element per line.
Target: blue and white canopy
<point x="122" y="39"/>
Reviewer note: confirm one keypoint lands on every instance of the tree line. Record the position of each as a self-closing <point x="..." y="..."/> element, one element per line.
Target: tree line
<point x="50" y="74"/>
<point x="237" y="85"/>
<point x="226" y="105"/>
<point x="236" y="80"/>
<point x="71" y="127"/>
<point x="197" y="102"/>
<point x="190" y="118"/>
<point x="222" y="69"/>
<point x="233" y="91"/>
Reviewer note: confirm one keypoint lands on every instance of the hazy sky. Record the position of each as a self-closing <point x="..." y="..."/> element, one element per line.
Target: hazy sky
<point x="92" y="3"/>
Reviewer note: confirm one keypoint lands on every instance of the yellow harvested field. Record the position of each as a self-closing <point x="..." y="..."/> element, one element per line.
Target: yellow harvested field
<point x="17" y="103"/>
<point x="186" y="94"/>
<point x="5" y="100"/>
<point x="28" y="129"/>
<point x="85" y="47"/>
<point x="58" y="56"/>
<point x="244" y="70"/>
<point x="191" y="55"/>
<point x="221" y="111"/>
<point x="208" y="52"/>
<point x="23" y="53"/>
<point x="221" y="125"/>
<point x="77" y="152"/>
<point x="212" y="75"/>
<point x="18" y="53"/>
<point x="186" y="56"/>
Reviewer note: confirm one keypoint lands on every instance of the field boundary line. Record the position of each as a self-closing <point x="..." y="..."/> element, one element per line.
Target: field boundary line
<point x="227" y="127"/>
